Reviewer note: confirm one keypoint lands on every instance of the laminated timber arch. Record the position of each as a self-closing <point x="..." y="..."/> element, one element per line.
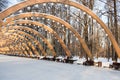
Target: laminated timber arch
<point x="48" y="16"/>
<point x="13" y="48"/>
<point x="9" y="39"/>
<point x="46" y="28"/>
<point x="35" y="33"/>
<point x="29" y="43"/>
<point x="23" y="49"/>
<point x="23" y="44"/>
<point x="4" y="49"/>
<point x="13" y="45"/>
<point x="20" y="50"/>
<point x="19" y="6"/>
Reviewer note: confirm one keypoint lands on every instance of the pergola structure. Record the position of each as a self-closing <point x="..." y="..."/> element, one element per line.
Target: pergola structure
<point x="25" y="26"/>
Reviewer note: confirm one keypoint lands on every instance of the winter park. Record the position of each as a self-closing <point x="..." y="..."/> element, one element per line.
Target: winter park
<point x="59" y="40"/>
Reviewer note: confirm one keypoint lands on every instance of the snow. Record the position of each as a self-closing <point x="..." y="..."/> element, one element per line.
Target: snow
<point x="80" y="61"/>
<point x="18" y="68"/>
<point x="105" y="62"/>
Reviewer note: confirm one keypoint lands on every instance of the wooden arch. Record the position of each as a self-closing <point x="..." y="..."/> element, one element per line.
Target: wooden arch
<point x="39" y="45"/>
<point x="24" y="44"/>
<point x="19" y="49"/>
<point x="35" y="33"/>
<point x="22" y="49"/>
<point x="10" y="47"/>
<point x="19" y="6"/>
<point x="67" y="25"/>
<point x="46" y="28"/>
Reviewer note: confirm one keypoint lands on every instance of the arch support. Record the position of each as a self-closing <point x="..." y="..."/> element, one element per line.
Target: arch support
<point x="35" y="33"/>
<point x="19" y="6"/>
<point x="46" y="28"/>
<point x="67" y="25"/>
<point x="39" y="45"/>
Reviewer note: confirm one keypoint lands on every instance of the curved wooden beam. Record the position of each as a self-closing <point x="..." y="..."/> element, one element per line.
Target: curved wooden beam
<point x="25" y="50"/>
<point x="46" y="28"/>
<point x="29" y="43"/>
<point x="67" y="25"/>
<point x="39" y="45"/>
<point x="6" y="39"/>
<point x="17" y="49"/>
<point x="35" y="33"/>
<point x="4" y="49"/>
<point x="23" y="44"/>
<point x="28" y="49"/>
<point x="21" y="49"/>
<point x="19" y="6"/>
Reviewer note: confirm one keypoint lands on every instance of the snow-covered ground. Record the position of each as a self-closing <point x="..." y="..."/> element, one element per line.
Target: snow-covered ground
<point x="17" y="68"/>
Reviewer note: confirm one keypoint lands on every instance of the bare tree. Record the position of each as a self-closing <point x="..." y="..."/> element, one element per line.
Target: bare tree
<point x="111" y="7"/>
<point x="3" y="4"/>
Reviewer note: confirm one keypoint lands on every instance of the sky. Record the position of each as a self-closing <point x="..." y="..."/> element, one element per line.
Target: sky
<point x="12" y="2"/>
<point x="100" y="6"/>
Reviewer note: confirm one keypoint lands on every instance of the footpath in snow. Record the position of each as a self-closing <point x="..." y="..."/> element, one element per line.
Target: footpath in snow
<point x="18" y="68"/>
